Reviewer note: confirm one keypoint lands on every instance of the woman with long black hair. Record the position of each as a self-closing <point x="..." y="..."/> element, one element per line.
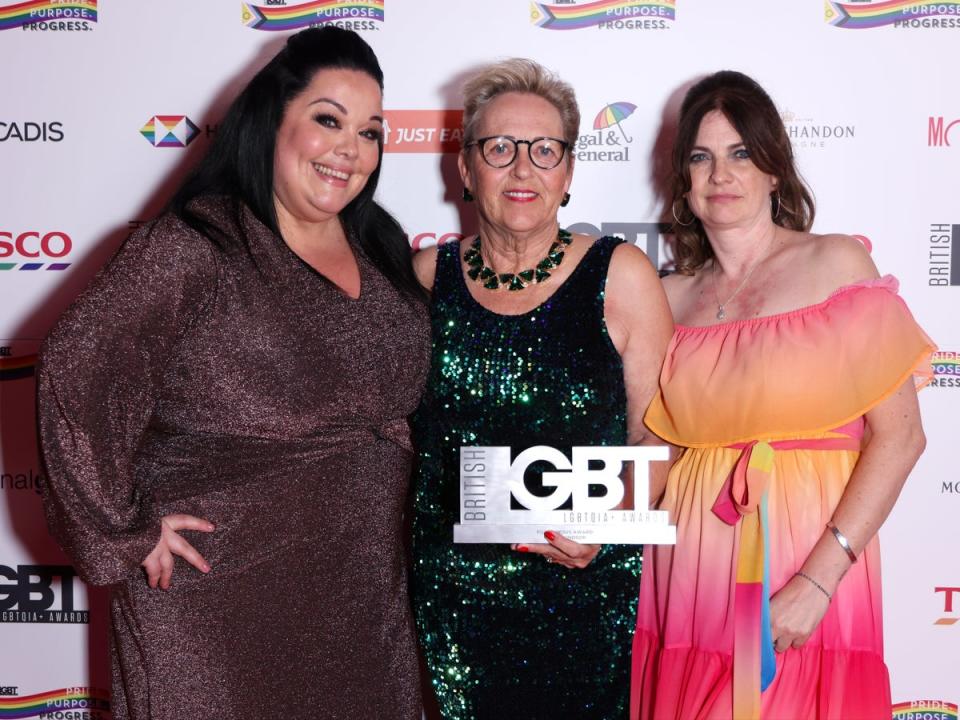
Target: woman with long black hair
<point x="226" y="407"/>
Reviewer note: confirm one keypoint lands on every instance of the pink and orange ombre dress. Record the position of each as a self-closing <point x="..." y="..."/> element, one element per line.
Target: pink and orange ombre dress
<point x="770" y="411"/>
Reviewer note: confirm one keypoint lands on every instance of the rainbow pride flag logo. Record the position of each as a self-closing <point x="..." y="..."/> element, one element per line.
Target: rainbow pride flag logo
<point x="577" y="17"/>
<point x="35" y="11"/>
<point x="946" y="363"/>
<point x="169" y="131"/>
<point x="53" y="701"/>
<point x="923" y="710"/>
<point x="866" y="16"/>
<point x="319" y="12"/>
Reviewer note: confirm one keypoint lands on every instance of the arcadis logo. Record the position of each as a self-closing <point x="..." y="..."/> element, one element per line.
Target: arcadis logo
<point x="279" y="15"/>
<point x="938" y="131"/>
<point x="49" y="15"/>
<point x="18" y="358"/>
<point x="170" y="131"/>
<point x="30" y="131"/>
<point x="898" y="13"/>
<point x="422" y="131"/>
<point x="70" y="702"/>
<point x="605" y="15"/>
<point x="31" y="250"/>
<point x="925" y="710"/>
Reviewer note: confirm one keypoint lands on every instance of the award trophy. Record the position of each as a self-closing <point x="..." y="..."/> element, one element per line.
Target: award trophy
<point x="492" y="486"/>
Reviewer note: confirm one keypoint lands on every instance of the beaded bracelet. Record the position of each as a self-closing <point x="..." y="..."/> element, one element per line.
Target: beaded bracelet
<point x="817" y="585"/>
<point x="844" y="543"/>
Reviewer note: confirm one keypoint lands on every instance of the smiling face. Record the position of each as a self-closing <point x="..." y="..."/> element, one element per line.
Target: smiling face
<point x="327" y="145"/>
<point x="726" y="188"/>
<point x="519" y="199"/>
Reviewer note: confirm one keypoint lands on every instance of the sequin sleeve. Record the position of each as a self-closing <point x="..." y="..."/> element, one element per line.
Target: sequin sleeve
<point x="99" y="373"/>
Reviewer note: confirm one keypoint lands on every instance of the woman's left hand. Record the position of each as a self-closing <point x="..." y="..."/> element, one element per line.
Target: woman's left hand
<point x="562" y="551"/>
<point x="795" y="611"/>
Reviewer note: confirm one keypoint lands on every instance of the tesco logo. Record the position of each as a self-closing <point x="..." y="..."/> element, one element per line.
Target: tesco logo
<point x="31" y="244"/>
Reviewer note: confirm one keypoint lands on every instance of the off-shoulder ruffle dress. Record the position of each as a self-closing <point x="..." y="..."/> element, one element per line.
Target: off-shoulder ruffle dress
<point x="777" y="400"/>
<point x="240" y="386"/>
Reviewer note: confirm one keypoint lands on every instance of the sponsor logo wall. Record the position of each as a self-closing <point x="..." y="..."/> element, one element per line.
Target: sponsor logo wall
<point x="925" y="710"/>
<point x="874" y="14"/>
<point x="33" y="250"/>
<point x="280" y="16"/>
<point x="69" y="703"/>
<point x="938" y="131"/>
<point x="31" y="131"/>
<point x="604" y="15"/>
<point x="102" y="116"/>
<point x="49" y="15"/>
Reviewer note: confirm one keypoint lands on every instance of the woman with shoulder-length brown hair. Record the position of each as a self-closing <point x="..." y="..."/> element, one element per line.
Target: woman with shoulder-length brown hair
<point x="790" y="389"/>
<point x="792" y="205"/>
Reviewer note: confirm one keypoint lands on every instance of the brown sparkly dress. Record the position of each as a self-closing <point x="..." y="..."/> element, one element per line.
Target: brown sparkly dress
<point x="242" y="387"/>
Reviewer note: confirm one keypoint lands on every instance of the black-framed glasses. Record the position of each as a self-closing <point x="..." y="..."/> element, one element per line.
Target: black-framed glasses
<point x="499" y="151"/>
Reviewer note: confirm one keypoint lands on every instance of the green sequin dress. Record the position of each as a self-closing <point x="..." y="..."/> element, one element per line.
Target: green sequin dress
<point x="506" y="635"/>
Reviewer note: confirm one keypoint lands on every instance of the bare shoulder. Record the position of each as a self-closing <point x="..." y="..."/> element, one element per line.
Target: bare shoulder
<point x="841" y="260"/>
<point x="677" y="286"/>
<point x="425" y="266"/>
<point x="630" y="268"/>
<point x="635" y="306"/>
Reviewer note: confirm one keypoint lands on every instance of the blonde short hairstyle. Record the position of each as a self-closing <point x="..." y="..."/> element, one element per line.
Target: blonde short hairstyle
<point x="523" y="76"/>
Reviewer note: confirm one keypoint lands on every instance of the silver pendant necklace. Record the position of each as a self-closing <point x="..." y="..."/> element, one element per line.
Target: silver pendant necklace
<point x="721" y="306"/>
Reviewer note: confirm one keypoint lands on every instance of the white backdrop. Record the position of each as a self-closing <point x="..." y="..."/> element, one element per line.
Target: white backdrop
<point x="104" y="104"/>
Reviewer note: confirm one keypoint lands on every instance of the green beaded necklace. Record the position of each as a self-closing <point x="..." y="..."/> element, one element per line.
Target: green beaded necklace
<point x="492" y="280"/>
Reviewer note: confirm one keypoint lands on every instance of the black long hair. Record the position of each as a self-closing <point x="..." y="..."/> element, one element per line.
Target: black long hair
<point x="239" y="163"/>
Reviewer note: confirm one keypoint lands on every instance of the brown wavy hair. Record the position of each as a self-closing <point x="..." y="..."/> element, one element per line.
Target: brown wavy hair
<point x="752" y="113"/>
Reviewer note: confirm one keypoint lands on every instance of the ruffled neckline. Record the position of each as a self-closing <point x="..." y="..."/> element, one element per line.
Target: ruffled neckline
<point x="887" y="282"/>
<point x="795" y="374"/>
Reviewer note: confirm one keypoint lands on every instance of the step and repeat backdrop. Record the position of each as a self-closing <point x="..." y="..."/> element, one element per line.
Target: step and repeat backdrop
<point x="104" y="104"/>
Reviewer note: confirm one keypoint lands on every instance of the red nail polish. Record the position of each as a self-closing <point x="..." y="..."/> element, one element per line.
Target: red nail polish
<point x="550" y="535"/>
<point x="523" y="548"/>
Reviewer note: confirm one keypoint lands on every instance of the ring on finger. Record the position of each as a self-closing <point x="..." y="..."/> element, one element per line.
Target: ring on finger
<point x="549" y="559"/>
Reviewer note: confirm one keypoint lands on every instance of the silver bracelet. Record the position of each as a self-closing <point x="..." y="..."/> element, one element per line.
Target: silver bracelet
<point x="817" y="585"/>
<point x="844" y="543"/>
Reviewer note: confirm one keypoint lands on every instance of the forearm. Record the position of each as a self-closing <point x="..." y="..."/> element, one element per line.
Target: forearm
<point x="871" y="492"/>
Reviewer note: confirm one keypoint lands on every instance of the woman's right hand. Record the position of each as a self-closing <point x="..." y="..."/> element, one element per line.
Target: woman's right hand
<point x="159" y="563"/>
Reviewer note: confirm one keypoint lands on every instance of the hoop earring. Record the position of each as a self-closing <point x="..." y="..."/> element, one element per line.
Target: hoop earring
<point x="566" y="200"/>
<point x="775" y="203"/>
<point x="673" y="211"/>
<point x="467" y="195"/>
